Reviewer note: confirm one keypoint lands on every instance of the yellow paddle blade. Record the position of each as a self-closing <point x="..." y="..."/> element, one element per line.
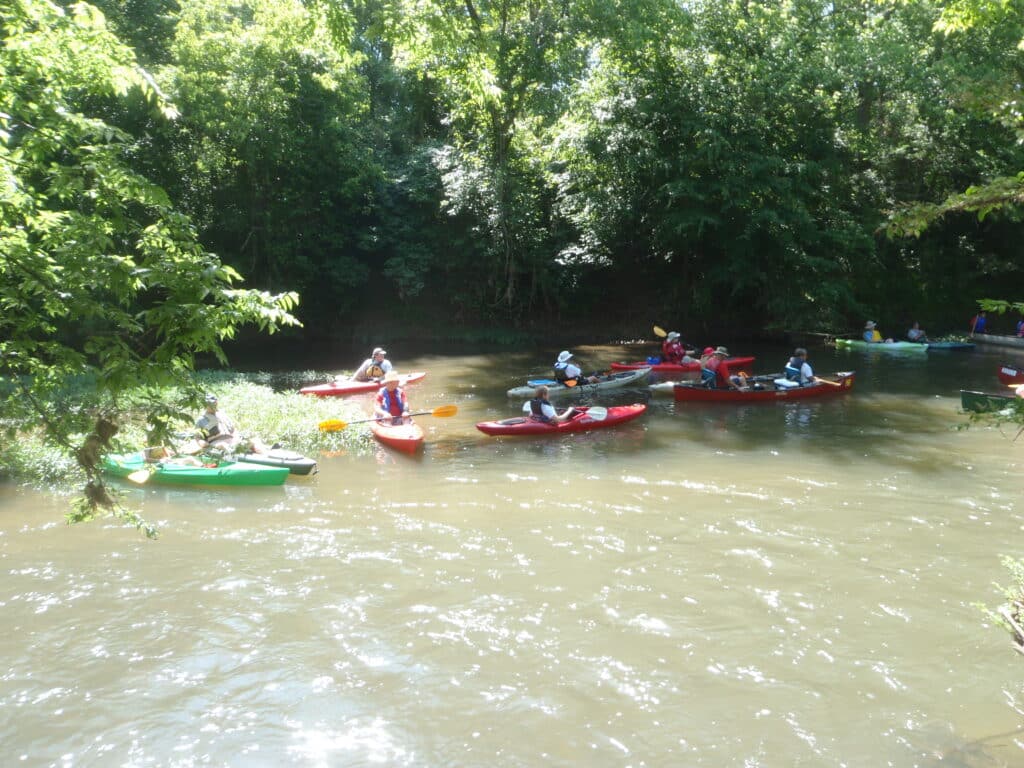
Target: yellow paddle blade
<point x="139" y="476"/>
<point x="336" y="425"/>
<point x="333" y="425"/>
<point x="660" y="332"/>
<point x="445" y="410"/>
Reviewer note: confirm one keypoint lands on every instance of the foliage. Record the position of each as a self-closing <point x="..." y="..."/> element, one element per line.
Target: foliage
<point x="101" y="276"/>
<point x="1010" y="614"/>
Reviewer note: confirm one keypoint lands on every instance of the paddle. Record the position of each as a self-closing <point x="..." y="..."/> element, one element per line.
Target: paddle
<point x="335" y="425"/>
<point x="597" y="413"/>
<point x="140" y="476"/>
<point x="827" y="381"/>
<point x="660" y="332"/>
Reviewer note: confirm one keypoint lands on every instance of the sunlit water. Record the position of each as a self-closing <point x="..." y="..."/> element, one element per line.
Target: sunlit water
<point x="770" y="585"/>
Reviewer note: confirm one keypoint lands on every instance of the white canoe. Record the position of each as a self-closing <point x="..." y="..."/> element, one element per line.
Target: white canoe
<point x="612" y="381"/>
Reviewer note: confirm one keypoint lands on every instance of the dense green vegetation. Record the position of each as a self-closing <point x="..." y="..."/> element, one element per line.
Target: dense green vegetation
<point x="495" y="164"/>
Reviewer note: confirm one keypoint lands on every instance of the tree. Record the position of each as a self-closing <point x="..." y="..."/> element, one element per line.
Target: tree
<point x="101" y="278"/>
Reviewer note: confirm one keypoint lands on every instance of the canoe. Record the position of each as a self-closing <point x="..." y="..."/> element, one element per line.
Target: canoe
<point x="984" y="402"/>
<point x="770" y="393"/>
<point x="998" y="340"/>
<point x="1010" y="374"/>
<point x="734" y="364"/>
<point x="345" y="387"/>
<point x="611" y="381"/>
<point x="896" y="346"/>
<point x="295" y="462"/>
<point x="407" y="438"/>
<point x="522" y="425"/>
<point x="949" y="346"/>
<point x="188" y="470"/>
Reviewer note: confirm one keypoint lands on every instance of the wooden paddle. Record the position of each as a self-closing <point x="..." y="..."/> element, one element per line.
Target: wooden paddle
<point x="336" y="425"/>
<point x="827" y="381"/>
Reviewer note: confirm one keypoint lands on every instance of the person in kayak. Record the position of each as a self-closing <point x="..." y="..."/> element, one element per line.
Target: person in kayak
<point x="979" y="323"/>
<point x="391" y="402"/>
<point x="708" y="366"/>
<point x="570" y="374"/>
<point x="541" y="409"/>
<point x="673" y="350"/>
<point x="724" y="378"/>
<point x="798" y="369"/>
<point x="218" y="431"/>
<point x="374" y="368"/>
<point x="871" y="334"/>
<point x="917" y="334"/>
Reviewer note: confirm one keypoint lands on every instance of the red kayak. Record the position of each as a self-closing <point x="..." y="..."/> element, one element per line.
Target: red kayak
<point x="407" y="438"/>
<point x="1010" y="374"/>
<point x="581" y="422"/>
<point x="735" y="363"/>
<point x="343" y="387"/>
<point x="841" y="384"/>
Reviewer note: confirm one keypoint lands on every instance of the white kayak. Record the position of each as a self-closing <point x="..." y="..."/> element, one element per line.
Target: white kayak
<point x="612" y="381"/>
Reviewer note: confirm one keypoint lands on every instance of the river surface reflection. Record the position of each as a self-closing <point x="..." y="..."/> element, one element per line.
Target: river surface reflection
<point x="770" y="585"/>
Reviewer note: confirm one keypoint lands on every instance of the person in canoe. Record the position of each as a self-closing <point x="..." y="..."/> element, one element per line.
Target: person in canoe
<point x="217" y="431"/>
<point x="374" y="368"/>
<point x="673" y="350"/>
<point x="720" y="376"/>
<point x="872" y="335"/>
<point x="566" y="372"/>
<point x="391" y="403"/>
<point x="917" y="334"/>
<point x="1020" y="327"/>
<point x="798" y="369"/>
<point x="541" y="409"/>
<point x="979" y="323"/>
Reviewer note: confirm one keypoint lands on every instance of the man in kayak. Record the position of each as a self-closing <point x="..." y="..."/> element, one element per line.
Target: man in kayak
<point x="673" y="350"/>
<point x="374" y="367"/>
<point x="916" y="333"/>
<point x="724" y="378"/>
<point x="217" y="431"/>
<point x="871" y="334"/>
<point x="798" y="369"/>
<point x="979" y="323"/>
<point x="541" y="409"/>
<point x="391" y="403"/>
<point x="566" y="372"/>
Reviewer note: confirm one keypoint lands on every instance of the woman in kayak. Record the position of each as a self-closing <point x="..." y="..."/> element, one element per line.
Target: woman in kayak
<point x="216" y="430"/>
<point x="391" y="403"/>
<point x="540" y="408"/>
<point x="374" y="367"/>
<point x="566" y="372"/>
<point x="673" y="350"/>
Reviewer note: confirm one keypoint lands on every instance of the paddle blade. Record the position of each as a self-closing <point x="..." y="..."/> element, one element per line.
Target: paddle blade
<point x="333" y="425"/>
<point x="139" y="476"/>
<point x="660" y="332"/>
<point x="445" y="410"/>
<point x="597" y="413"/>
<point x="570" y="383"/>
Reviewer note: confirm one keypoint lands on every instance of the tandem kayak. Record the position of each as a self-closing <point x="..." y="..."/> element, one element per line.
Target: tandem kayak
<point x="841" y="383"/>
<point x="582" y="422"/>
<point x="896" y="346"/>
<point x="295" y="462"/>
<point x="1010" y="374"/>
<point x="983" y="402"/>
<point x="678" y="367"/>
<point x="344" y="387"/>
<point x="188" y="470"/>
<point x="611" y="381"/>
<point x="407" y="438"/>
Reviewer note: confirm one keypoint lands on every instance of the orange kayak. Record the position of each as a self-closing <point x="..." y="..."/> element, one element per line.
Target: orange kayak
<point x="407" y="438"/>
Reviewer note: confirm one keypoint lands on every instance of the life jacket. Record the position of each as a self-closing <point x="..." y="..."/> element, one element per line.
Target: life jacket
<point x="1020" y="327"/>
<point x="373" y="371"/>
<point x="390" y="404"/>
<point x="560" y="371"/>
<point x="792" y="369"/>
<point x="537" y="410"/>
<point x="672" y="351"/>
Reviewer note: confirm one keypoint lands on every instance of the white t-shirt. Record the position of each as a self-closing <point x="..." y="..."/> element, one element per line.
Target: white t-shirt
<point x="546" y="408"/>
<point x="216" y="426"/>
<point x="806" y="374"/>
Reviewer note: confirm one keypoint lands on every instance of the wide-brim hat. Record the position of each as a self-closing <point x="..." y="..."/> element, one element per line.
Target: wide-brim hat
<point x="379" y="351"/>
<point x="722" y="351"/>
<point x="391" y="376"/>
<point x="564" y="355"/>
<point x="673" y="336"/>
<point x="211" y="398"/>
<point x="869" y="325"/>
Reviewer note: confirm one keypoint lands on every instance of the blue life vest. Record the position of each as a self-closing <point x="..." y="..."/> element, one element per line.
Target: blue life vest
<point x="792" y="369"/>
<point x="386" y="401"/>
<point x="707" y="376"/>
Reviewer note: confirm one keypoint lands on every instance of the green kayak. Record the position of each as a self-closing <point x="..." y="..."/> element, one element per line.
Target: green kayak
<point x="983" y="402"/>
<point x="187" y="470"/>
<point x="896" y="346"/>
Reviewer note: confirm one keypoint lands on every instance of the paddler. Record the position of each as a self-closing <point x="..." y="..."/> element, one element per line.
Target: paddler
<point x="541" y="409"/>
<point x="391" y="403"/>
<point x="374" y="367"/>
<point x="570" y="374"/>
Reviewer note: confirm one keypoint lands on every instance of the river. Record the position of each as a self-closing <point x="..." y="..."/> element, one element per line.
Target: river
<point x="769" y="585"/>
